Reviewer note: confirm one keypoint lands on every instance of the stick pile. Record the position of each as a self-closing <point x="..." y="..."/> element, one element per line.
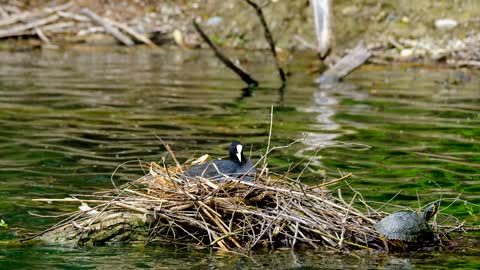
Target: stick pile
<point x="67" y="18"/>
<point x="243" y="215"/>
<point x="230" y="215"/>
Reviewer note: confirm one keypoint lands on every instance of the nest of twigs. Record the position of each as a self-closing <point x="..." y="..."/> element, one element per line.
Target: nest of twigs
<point x="236" y="214"/>
<point x="231" y="214"/>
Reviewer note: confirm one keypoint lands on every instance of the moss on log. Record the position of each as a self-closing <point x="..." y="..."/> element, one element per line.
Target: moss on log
<point x="104" y="228"/>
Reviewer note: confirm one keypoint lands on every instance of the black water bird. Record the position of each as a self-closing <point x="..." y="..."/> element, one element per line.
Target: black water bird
<point x="237" y="166"/>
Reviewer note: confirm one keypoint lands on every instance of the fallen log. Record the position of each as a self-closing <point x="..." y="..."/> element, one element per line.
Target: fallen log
<point x="105" y="228"/>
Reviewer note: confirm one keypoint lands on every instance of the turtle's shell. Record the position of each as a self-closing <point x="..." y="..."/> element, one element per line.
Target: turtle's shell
<point x="407" y="226"/>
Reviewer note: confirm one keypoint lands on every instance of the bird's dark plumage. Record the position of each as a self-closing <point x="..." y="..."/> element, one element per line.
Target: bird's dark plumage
<point x="237" y="166"/>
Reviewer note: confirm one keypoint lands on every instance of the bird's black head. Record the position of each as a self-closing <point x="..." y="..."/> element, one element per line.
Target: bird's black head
<point x="236" y="152"/>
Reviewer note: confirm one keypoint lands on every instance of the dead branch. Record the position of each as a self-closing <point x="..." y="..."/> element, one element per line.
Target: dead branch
<point x="18" y="30"/>
<point x="269" y="38"/>
<point x="132" y="32"/>
<point x="347" y="64"/>
<point x="243" y="75"/>
<point x="32" y="14"/>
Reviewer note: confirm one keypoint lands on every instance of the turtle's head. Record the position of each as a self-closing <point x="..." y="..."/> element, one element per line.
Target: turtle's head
<point x="431" y="210"/>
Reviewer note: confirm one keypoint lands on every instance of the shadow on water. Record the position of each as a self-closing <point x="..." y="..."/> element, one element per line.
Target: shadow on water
<point x="68" y="119"/>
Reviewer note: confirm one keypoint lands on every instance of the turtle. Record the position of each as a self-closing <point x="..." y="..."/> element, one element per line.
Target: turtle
<point x="408" y="226"/>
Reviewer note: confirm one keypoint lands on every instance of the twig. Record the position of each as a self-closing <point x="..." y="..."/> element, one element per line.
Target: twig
<point x="68" y="200"/>
<point x="331" y="182"/>
<point x="116" y="169"/>
<point x="42" y="36"/>
<point x="344" y="220"/>
<point x="264" y="167"/>
<point x="170" y="152"/>
<point x="130" y="207"/>
<point x="55" y="27"/>
<point x="304" y="42"/>
<point x="73" y="16"/>
<point x="48" y="216"/>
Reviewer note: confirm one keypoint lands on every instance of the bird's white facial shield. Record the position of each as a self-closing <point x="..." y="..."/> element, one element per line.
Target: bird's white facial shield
<point x="239" y="152"/>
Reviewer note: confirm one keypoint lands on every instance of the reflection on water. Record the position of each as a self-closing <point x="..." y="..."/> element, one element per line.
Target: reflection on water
<point x="68" y="119"/>
<point x="325" y="128"/>
<point x="157" y="257"/>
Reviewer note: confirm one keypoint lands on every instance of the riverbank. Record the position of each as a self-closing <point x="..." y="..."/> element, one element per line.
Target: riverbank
<point x="418" y="32"/>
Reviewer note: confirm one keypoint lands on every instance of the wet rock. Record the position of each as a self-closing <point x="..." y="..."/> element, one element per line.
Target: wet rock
<point x="406" y="53"/>
<point x="445" y="24"/>
<point x="214" y="21"/>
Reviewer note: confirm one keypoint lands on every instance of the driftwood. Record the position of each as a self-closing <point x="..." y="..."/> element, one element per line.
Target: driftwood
<point x="132" y="32"/>
<point x="3" y="13"/>
<point x="347" y="64"/>
<point x="21" y="28"/>
<point x="28" y="15"/>
<point x="104" y="228"/>
<point x="56" y="27"/>
<point x="73" y="16"/>
<point x="17" y="22"/>
<point x="41" y="35"/>
<point x="108" y="27"/>
<point x="58" y="20"/>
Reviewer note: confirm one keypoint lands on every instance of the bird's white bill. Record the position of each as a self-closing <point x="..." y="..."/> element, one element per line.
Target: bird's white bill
<point x="239" y="152"/>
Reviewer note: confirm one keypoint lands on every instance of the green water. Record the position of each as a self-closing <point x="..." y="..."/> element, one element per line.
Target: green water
<point x="68" y="119"/>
